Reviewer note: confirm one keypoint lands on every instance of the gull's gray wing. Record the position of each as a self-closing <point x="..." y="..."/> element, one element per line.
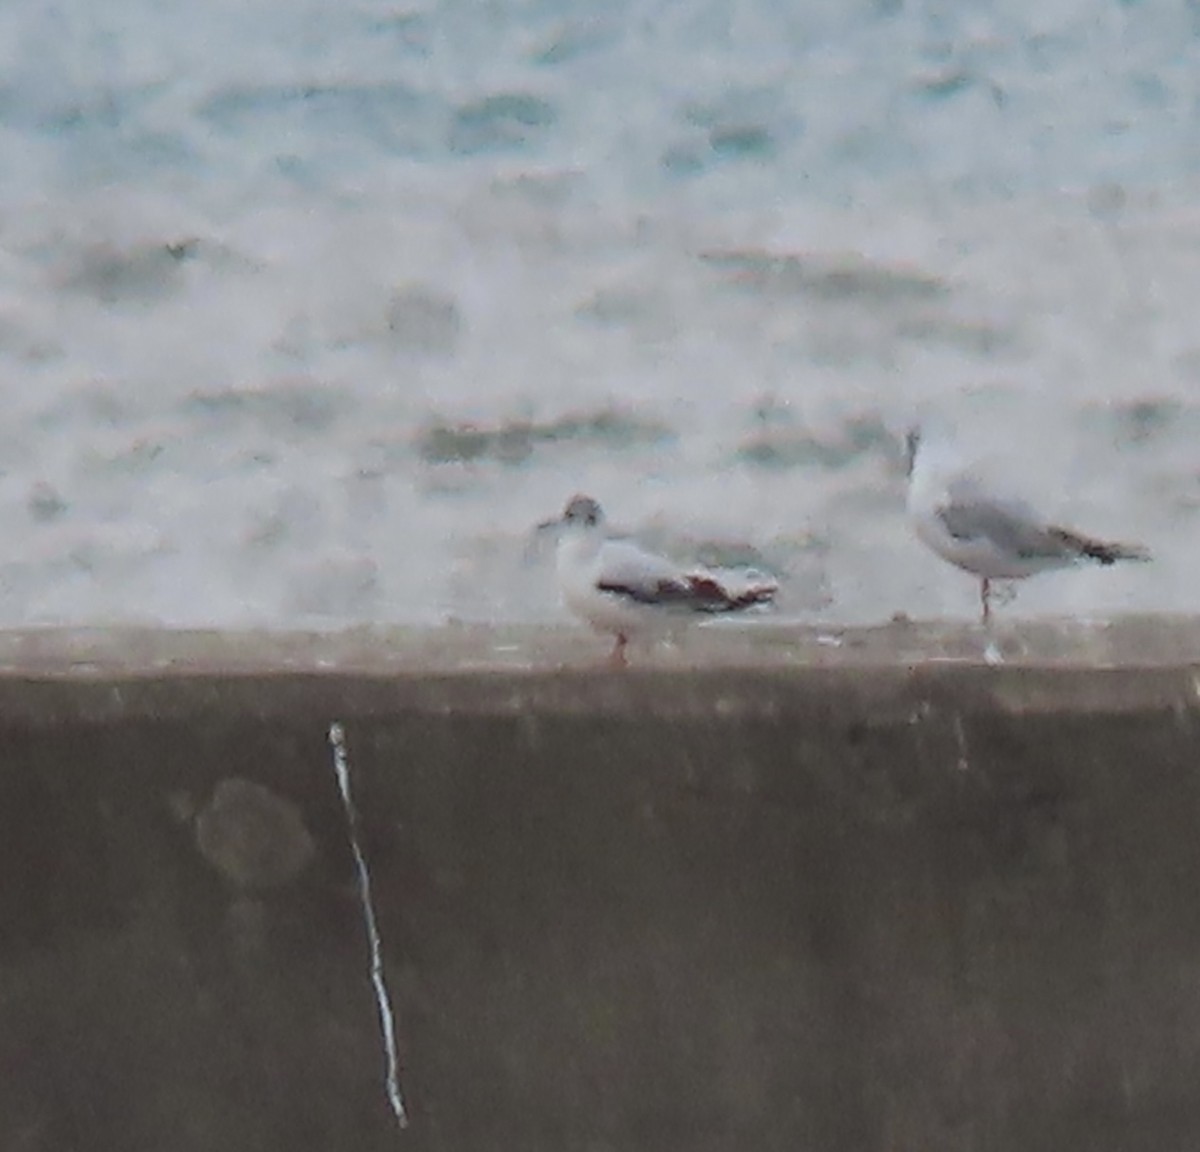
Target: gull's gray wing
<point x="1010" y="525"/>
<point x="626" y="571"/>
<point x="626" y="566"/>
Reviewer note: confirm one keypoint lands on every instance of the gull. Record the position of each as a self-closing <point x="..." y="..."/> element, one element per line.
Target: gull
<point x="619" y="588"/>
<point x="993" y="537"/>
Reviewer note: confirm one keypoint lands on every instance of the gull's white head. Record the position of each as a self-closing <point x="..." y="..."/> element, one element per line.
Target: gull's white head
<point x="582" y="512"/>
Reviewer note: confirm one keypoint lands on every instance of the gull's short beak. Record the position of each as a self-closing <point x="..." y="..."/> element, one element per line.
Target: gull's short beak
<point x="912" y="442"/>
<point x="539" y="540"/>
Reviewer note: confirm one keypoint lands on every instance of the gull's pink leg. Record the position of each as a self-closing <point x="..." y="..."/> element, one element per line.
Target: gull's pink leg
<point x="617" y="657"/>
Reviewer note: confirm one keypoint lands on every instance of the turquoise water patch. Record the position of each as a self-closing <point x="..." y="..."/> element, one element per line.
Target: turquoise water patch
<point x="515" y="441"/>
<point x="309" y="408"/>
<point x="498" y="122"/>
<point x="781" y="447"/>
<point x="849" y="277"/>
<point x="393" y="116"/>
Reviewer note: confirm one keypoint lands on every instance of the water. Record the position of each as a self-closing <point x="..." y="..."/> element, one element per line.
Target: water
<point x="308" y="311"/>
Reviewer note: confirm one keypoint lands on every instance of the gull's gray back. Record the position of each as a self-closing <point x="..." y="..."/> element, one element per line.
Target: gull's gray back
<point x="1011" y="525"/>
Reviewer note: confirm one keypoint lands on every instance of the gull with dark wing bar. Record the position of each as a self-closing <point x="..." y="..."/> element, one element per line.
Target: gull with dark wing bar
<point x="621" y="589"/>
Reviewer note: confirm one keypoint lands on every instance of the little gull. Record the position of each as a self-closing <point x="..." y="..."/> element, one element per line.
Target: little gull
<point x="618" y="588"/>
<point x="993" y="537"/>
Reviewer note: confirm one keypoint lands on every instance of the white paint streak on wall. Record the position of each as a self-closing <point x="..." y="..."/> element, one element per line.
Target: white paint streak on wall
<point x="961" y="737"/>
<point x="387" y="1023"/>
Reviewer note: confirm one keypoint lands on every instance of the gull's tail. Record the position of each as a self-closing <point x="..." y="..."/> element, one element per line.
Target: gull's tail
<point x="1102" y="551"/>
<point x="726" y="590"/>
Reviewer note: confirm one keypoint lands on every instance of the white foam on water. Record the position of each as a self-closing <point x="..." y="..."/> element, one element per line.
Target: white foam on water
<point x="307" y="314"/>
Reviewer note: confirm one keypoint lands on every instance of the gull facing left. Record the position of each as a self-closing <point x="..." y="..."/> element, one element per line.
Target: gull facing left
<point x="620" y="589"/>
<point x="990" y="536"/>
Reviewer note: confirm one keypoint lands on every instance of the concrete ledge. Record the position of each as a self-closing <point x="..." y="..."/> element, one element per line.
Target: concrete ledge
<point x="1135" y="641"/>
<point x="780" y="888"/>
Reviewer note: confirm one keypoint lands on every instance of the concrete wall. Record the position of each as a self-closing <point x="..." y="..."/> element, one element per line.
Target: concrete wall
<point x="797" y="899"/>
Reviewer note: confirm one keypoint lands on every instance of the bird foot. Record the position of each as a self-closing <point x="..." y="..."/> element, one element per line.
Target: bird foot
<point x="1004" y="591"/>
<point x="617" y="658"/>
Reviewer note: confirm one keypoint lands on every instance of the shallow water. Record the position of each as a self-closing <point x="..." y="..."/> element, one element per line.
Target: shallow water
<point x="308" y="312"/>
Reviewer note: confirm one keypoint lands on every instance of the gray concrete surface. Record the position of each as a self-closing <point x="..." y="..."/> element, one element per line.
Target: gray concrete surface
<point x="774" y="889"/>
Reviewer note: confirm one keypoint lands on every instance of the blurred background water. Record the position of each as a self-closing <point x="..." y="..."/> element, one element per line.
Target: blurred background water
<point x="310" y="309"/>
